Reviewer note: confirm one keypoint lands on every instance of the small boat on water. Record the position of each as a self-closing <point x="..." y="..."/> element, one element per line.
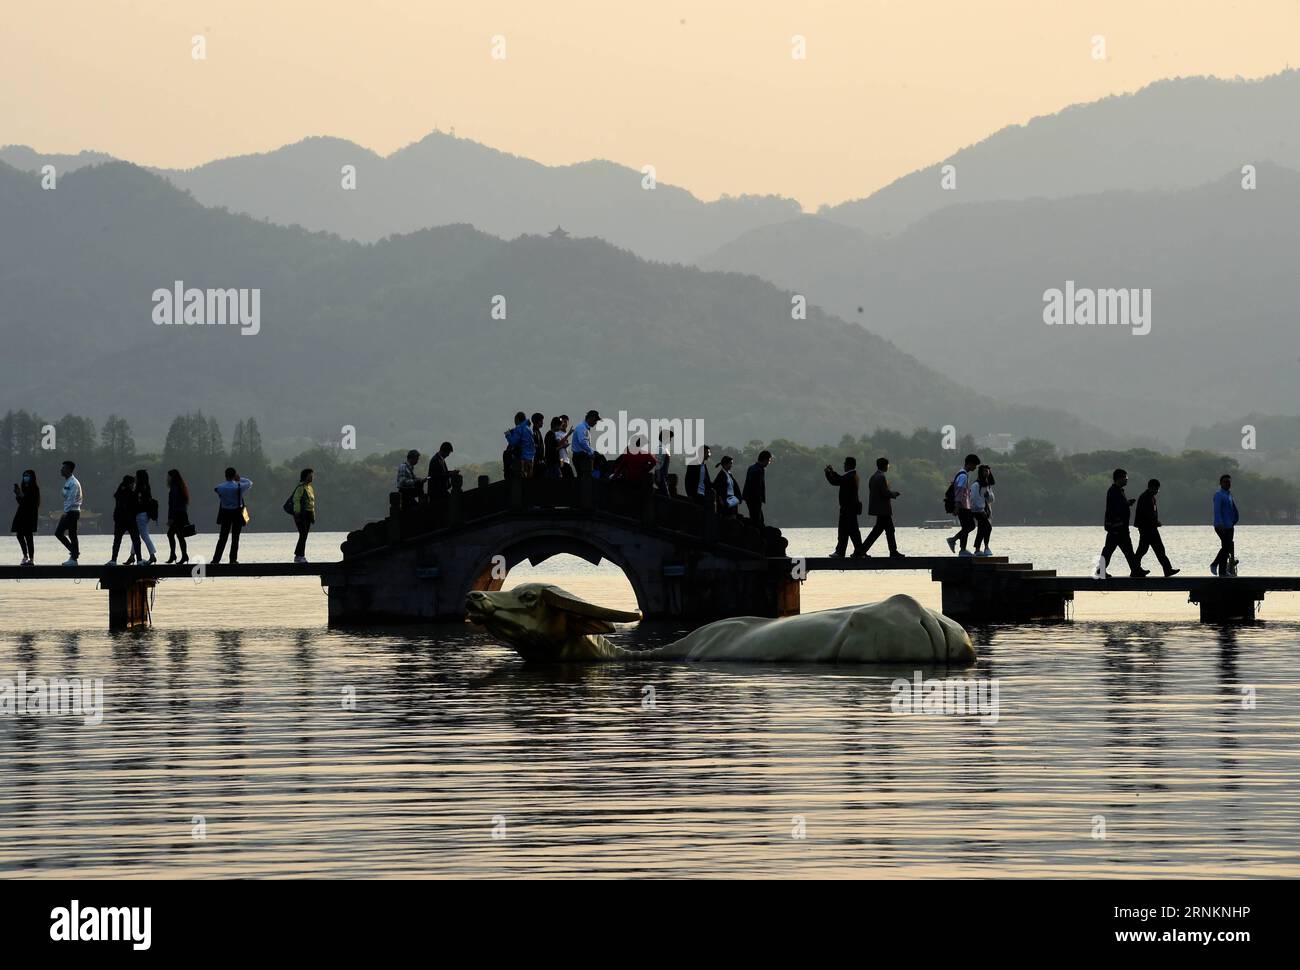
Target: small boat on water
<point x="939" y="524"/>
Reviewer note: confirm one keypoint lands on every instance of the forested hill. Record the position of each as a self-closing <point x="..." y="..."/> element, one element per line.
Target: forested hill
<point x="398" y="339"/>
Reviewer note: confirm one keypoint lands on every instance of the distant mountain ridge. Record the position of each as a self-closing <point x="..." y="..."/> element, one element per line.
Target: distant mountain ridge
<point x="1171" y="134"/>
<point x="963" y="290"/>
<point x="397" y="339"/>
<point x="445" y="180"/>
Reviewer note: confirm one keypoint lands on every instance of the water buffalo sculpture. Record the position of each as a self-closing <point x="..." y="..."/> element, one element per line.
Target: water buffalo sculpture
<point x="544" y="623"/>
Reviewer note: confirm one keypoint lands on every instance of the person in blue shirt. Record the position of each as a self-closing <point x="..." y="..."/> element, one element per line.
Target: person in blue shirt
<point x="230" y="513"/>
<point x="519" y="440"/>
<point x="583" y="453"/>
<point x="1225" y="520"/>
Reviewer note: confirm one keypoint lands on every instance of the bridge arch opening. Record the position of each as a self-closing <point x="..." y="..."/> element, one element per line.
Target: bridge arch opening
<point x="605" y="584"/>
<point x="581" y="567"/>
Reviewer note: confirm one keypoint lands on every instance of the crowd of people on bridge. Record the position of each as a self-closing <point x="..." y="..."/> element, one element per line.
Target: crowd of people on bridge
<point x="556" y="449"/>
<point x="569" y="453"/>
<point x="135" y="507"/>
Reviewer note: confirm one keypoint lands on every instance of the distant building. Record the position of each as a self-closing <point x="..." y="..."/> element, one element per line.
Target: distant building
<point x="558" y="233"/>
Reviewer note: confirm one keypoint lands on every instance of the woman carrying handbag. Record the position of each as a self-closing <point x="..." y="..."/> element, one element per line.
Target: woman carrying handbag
<point x="178" y="515"/>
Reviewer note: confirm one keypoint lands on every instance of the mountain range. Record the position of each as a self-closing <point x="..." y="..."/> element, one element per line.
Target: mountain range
<point x="397" y="338"/>
<point x="1149" y="191"/>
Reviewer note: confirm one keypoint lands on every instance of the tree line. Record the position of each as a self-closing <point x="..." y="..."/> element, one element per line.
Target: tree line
<point x="1036" y="485"/>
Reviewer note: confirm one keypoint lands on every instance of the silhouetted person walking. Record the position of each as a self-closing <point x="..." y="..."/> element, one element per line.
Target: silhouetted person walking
<point x="145" y="509"/>
<point x="303" y="503"/>
<point x="439" y="474"/>
<point x="880" y="503"/>
<point x="566" y="448"/>
<point x="1146" y="518"/>
<point x="981" y="507"/>
<point x="726" y="488"/>
<point x="1225" y="522"/>
<point x="580" y="444"/>
<point x="961" y="489"/>
<point x="539" y="446"/>
<point x="664" y="458"/>
<point x="26" y="517"/>
<point x="230" y="513"/>
<point x="66" y="531"/>
<point x="553" y="448"/>
<point x="850" y="508"/>
<point x="699" y="486"/>
<point x="178" y="514"/>
<point x="1116" y="524"/>
<point x="124" y="511"/>
<point x="521" y="447"/>
<point x="755" y="490"/>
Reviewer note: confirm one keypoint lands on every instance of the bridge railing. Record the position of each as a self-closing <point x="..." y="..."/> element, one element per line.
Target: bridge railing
<point x="633" y="502"/>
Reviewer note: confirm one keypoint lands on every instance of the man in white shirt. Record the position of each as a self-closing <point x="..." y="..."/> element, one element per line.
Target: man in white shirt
<point x="66" y="532"/>
<point x="662" y="460"/>
<point x="566" y="448"/>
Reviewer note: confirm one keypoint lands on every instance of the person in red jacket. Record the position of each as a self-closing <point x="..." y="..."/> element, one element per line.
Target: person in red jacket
<point x="634" y="466"/>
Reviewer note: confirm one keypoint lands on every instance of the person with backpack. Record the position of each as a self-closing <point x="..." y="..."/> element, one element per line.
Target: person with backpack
<point x="232" y="514"/>
<point x="302" y="506"/>
<point x="981" y="507"/>
<point x="850" y="508"/>
<point x="146" y="508"/>
<point x="1225" y="523"/>
<point x="957" y="500"/>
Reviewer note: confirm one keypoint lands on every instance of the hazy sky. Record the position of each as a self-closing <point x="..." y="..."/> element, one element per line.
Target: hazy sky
<point x="705" y="90"/>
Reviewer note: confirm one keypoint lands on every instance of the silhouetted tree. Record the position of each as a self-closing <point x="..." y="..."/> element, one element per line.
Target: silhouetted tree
<point x="116" y="445"/>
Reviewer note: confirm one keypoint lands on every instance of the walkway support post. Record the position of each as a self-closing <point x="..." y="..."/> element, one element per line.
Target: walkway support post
<point x="1227" y="601"/>
<point x="128" y="602"/>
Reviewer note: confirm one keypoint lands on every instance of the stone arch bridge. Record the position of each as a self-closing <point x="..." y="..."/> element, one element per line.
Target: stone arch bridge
<point x="682" y="560"/>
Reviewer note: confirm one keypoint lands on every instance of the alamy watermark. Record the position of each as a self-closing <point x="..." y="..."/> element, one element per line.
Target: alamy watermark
<point x="677" y="436"/>
<point x="242" y="307"/>
<point x="952" y="695"/>
<point x="1084" y="307"/>
<point x="53" y="696"/>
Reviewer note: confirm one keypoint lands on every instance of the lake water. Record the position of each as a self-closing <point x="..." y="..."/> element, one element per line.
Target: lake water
<point x="241" y="737"/>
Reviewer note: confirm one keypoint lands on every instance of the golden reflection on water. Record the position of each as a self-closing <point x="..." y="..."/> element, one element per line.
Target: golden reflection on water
<point x="233" y="708"/>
